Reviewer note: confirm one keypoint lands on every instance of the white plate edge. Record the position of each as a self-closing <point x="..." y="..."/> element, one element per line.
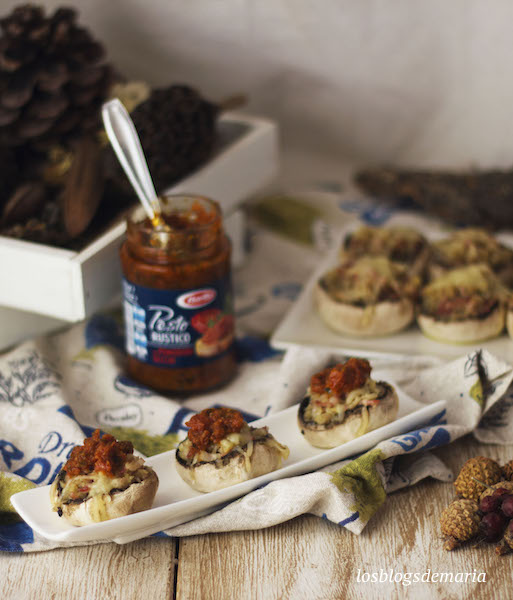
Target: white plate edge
<point x="76" y="534"/>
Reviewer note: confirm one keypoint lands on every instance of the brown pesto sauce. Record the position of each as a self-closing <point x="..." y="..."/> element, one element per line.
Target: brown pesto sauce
<point x="203" y="256"/>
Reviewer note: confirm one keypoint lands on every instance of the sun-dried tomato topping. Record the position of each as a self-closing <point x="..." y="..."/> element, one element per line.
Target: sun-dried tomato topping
<point x="99" y="454"/>
<point x="342" y="378"/>
<point x="211" y="425"/>
<point x="465" y="307"/>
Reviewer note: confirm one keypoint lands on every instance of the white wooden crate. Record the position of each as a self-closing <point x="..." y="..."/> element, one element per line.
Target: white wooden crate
<point x="71" y="285"/>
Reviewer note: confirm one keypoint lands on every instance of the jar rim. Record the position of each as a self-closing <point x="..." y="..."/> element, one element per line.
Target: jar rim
<point x="170" y="206"/>
<point x="179" y="241"/>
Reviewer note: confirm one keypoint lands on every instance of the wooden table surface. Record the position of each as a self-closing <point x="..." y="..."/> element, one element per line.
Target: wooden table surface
<point x="304" y="558"/>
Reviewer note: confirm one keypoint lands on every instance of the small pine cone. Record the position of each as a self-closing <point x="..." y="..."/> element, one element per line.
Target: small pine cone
<point x="508" y="535"/>
<point x="506" y="544"/>
<point x="480" y="468"/>
<point x="507" y="470"/>
<point x="459" y="522"/>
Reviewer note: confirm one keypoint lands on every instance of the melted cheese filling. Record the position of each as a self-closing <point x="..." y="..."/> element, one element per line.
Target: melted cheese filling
<point x="242" y="442"/>
<point x="95" y="485"/>
<point x="386" y="241"/>
<point x="473" y="280"/>
<point x="470" y="246"/>
<point x="326" y="408"/>
<point x="367" y="279"/>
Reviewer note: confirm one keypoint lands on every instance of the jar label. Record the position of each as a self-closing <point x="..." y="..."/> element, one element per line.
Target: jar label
<point x="178" y="328"/>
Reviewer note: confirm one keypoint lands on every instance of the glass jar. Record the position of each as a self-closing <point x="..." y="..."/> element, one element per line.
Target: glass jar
<point x="177" y="297"/>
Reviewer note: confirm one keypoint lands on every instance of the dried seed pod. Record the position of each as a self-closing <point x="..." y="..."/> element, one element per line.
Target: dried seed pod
<point x="83" y="189"/>
<point x="485" y="470"/>
<point x="455" y="196"/>
<point x="459" y="522"/>
<point x="24" y="203"/>
<point x="35" y="230"/>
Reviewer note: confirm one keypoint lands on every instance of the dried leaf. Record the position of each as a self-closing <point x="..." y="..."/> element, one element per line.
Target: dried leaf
<point x="83" y="189"/>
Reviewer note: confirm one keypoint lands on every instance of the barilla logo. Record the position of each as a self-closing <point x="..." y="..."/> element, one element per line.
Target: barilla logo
<point x="196" y="299"/>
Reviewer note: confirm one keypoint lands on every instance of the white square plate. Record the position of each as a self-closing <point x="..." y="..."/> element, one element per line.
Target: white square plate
<point x="302" y="326"/>
<point x="177" y="503"/>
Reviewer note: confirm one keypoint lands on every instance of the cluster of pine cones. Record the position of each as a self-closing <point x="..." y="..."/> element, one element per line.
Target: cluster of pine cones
<point x="56" y="170"/>
<point x="483" y="511"/>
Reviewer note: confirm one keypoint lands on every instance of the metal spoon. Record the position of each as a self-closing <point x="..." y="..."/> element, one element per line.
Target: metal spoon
<point x="126" y="144"/>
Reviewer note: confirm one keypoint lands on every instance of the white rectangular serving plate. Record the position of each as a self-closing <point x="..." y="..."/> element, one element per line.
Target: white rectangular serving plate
<point x="177" y="503"/>
<point x="70" y="285"/>
<point x="302" y="326"/>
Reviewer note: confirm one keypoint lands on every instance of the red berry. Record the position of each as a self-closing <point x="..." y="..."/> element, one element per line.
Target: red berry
<point x="492" y="526"/>
<point x="507" y="506"/>
<point x="490" y="504"/>
<point x="500" y="492"/>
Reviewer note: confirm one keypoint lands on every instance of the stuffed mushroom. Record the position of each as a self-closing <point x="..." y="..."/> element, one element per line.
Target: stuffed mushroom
<point x="221" y="449"/>
<point x="404" y="245"/>
<point x="464" y="305"/>
<point x="102" y="480"/>
<point x="470" y="246"/>
<point x="343" y="402"/>
<point x="368" y="296"/>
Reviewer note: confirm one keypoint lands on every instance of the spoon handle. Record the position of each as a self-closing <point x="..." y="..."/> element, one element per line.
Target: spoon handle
<point x="127" y="146"/>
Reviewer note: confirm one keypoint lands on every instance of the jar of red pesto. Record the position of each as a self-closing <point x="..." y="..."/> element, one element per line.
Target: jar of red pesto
<point x="177" y="297"/>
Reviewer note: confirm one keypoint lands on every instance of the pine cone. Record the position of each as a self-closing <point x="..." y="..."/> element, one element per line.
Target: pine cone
<point x="177" y="129"/>
<point x="480" y="468"/>
<point x="459" y="522"/>
<point x="507" y="470"/>
<point x="9" y="173"/>
<point x="52" y="81"/>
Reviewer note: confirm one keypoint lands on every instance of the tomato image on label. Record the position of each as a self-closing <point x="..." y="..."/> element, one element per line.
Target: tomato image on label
<point x="218" y="334"/>
<point x="206" y="318"/>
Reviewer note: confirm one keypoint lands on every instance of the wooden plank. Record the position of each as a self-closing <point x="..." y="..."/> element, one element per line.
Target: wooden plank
<point x="311" y="558"/>
<point x="142" y="569"/>
<point x="305" y="558"/>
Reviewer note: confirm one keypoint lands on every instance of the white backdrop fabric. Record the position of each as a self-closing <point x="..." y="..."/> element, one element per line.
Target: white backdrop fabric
<point x="397" y="81"/>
